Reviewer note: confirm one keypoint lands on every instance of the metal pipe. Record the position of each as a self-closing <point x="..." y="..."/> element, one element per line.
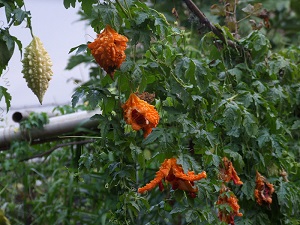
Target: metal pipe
<point x="57" y="126"/>
<point x="19" y="116"/>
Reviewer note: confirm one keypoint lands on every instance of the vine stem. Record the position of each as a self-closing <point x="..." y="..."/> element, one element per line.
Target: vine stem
<point x="28" y="21"/>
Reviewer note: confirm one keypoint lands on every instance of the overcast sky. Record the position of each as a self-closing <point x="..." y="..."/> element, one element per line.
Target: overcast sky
<point x="59" y="30"/>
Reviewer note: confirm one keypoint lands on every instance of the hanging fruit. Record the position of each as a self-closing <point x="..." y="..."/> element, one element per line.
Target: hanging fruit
<point x="108" y="50"/>
<point x="140" y="114"/>
<point x="37" y="68"/>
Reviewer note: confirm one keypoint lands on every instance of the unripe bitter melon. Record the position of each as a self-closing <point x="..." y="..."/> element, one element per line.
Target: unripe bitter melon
<point x="37" y="68"/>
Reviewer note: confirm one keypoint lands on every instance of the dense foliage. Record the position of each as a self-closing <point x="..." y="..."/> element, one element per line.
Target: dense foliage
<point x="237" y="98"/>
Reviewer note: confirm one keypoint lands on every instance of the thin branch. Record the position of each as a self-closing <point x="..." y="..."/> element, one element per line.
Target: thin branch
<point x="203" y="19"/>
<point x="47" y="153"/>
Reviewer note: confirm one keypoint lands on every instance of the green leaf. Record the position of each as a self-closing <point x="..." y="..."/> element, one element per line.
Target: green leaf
<point x="109" y="15"/>
<point x="7" y="46"/>
<point x="260" y="86"/>
<point x="127" y="66"/>
<point x="278" y="64"/>
<point x="248" y="189"/>
<point x="68" y="3"/>
<point x="296" y="125"/>
<point x="78" y="94"/>
<point x="183" y="66"/>
<point x="178" y="210"/>
<point x="154" y="135"/>
<point x="250" y="124"/>
<point x="9" y="7"/>
<point x="80" y="48"/>
<point x="161" y="25"/>
<point x="202" y="76"/>
<point x="6" y="95"/>
<point x="261" y="218"/>
<point x="263" y="137"/>
<point x="20" y="15"/>
<point x="35" y="120"/>
<point x="237" y="73"/>
<point x="93" y="97"/>
<point x="212" y="159"/>
<point x="19" y="43"/>
<point x="236" y="157"/>
<point x="20" y="3"/>
<point x="108" y="105"/>
<point x="86" y="160"/>
<point x="232" y="119"/>
<point x="259" y="45"/>
<point x="75" y="60"/>
<point x="141" y="17"/>
<point x="142" y="36"/>
<point x="87" y="6"/>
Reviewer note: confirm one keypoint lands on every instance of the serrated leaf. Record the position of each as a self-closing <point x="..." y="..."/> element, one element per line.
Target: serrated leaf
<point x="20" y="3"/>
<point x="126" y="66"/>
<point x="260" y="86"/>
<point x="80" y="48"/>
<point x="232" y="119"/>
<point x="141" y="17"/>
<point x="142" y="36"/>
<point x="7" y="46"/>
<point x="263" y="138"/>
<point x="194" y="164"/>
<point x="87" y="6"/>
<point x="19" y="15"/>
<point x="135" y="206"/>
<point x="189" y="215"/>
<point x="178" y="210"/>
<point x="19" y="43"/>
<point x="201" y="76"/>
<point x="145" y="203"/>
<point x="68" y="3"/>
<point x="86" y="159"/>
<point x="212" y="159"/>
<point x="109" y="15"/>
<point x="250" y="124"/>
<point x="93" y="96"/>
<point x="238" y="159"/>
<point x="182" y="66"/>
<point x="8" y="10"/>
<point x="6" y="95"/>
<point x="78" y="94"/>
<point x="296" y="125"/>
<point x="153" y="136"/>
<point x="261" y="218"/>
<point x="75" y="60"/>
<point x="108" y="105"/>
<point x="236" y="72"/>
<point x="161" y="26"/>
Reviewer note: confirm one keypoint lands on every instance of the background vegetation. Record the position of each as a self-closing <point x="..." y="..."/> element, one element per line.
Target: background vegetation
<point x="214" y="100"/>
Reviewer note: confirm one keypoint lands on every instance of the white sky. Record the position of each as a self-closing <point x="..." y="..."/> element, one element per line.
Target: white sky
<point x="59" y="30"/>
